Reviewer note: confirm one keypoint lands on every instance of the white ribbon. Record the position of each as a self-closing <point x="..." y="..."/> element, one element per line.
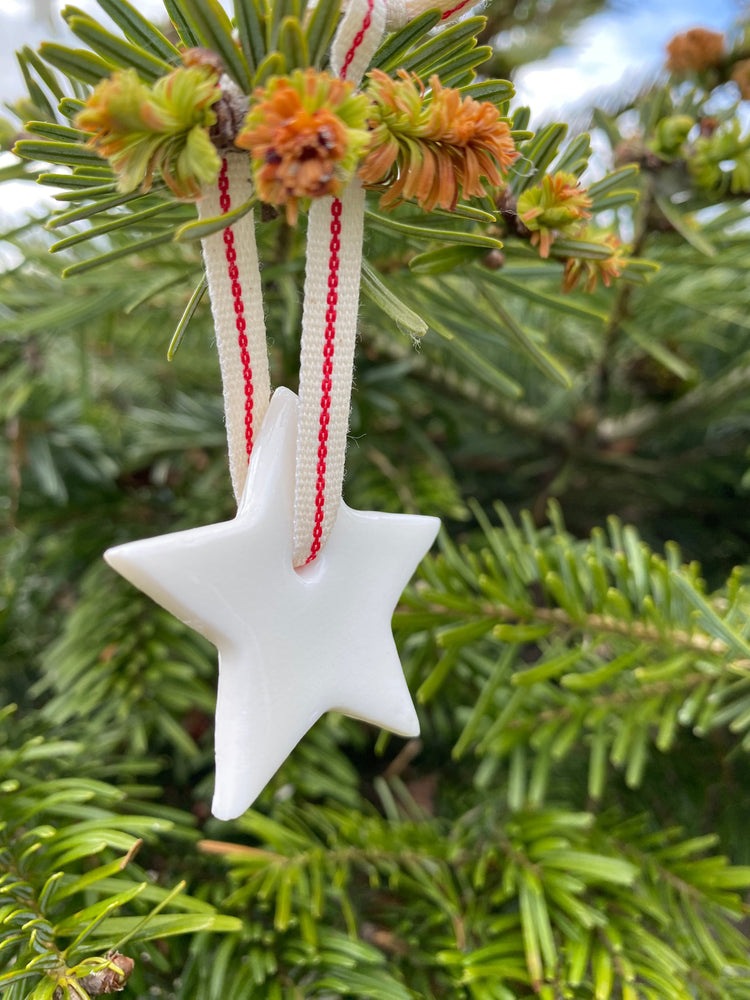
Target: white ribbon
<point x="329" y="328"/>
<point x="233" y="272"/>
<point x="357" y="38"/>
<point x="331" y="303"/>
<point x="329" y="319"/>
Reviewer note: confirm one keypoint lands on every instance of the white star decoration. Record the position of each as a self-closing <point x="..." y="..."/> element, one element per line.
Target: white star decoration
<point x="292" y="644"/>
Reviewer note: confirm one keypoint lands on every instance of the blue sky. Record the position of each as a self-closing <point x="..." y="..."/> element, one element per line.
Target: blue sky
<point x="624" y="42"/>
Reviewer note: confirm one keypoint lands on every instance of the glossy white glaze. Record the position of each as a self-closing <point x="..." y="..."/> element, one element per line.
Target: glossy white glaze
<point x="292" y="644"/>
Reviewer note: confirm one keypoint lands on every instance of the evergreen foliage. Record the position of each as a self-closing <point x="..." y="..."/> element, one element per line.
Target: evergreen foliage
<point x="572" y="823"/>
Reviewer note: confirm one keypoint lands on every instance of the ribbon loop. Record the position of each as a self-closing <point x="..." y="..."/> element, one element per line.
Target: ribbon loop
<point x="331" y="303"/>
<point x="329" y="318"/>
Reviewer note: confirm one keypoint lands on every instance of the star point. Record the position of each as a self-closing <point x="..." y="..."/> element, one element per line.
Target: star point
<point x="293" y="644"/>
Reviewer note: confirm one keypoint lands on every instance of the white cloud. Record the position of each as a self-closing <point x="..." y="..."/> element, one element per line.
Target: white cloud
<point x="625" y="43"/>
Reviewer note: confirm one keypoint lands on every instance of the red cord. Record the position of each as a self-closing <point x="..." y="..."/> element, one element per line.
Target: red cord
<point x="329" y="341"/>
<point x="455" y="10"/>
<point x="239" y="307"/>
<point x="329" y="336"/>
<point x="358" y="39"/>
<point x="326" y="383"/>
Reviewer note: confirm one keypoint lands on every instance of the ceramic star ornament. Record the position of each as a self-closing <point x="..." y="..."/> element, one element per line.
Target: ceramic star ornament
<point x="293" y="643"/>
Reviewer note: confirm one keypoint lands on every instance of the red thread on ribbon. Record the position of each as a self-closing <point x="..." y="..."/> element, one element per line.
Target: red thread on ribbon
<point x="455" y="10"/>
<point x="329" y="335"/>
<point x="326" y="382"/>
<point x="240" y="323"/>
<point x="359" y="38"/>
